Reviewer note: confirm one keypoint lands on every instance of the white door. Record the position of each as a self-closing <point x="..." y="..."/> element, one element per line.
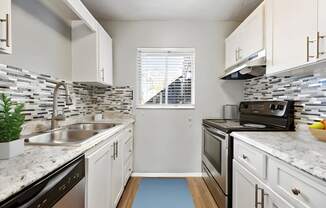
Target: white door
<point x="98" y="175"/>
<point x="5" y="27"/>
<point x="322" y="28"/>
<point x="252" y="34"/>
<point x="244" y="187"/>
<point x="231" y="47"/>
<point x="117" y="172"/>
<point x="293" y="22"/>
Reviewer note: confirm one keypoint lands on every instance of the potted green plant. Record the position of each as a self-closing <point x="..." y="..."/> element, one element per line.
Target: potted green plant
<point x="11" y="121"/>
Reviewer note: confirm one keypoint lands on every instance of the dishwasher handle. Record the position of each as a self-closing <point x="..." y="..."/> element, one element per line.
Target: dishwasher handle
<point x="51" y="189"/>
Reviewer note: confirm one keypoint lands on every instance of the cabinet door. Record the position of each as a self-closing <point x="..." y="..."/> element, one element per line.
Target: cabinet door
<point x="98" y="175"/>
<point x="292" y="22"/>
<point x="252" y="34"/>
<point x="5" y="27"/>
<point x="322" y="28"/>
<point x="244" y="187"/>
<point x="84" y="53"/>
<point x="117" y="173"/>
<point x="231" y="47"/>
<point x="105" y="56"/>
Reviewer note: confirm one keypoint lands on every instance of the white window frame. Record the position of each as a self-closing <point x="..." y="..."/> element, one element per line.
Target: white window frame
<point x="167" y="106"/>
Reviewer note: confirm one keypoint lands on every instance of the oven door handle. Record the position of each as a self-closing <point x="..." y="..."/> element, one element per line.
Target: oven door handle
<point x="216" y="133"/>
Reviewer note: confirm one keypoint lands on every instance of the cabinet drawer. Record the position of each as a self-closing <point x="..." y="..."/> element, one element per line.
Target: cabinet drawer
<point x="251" y="158"/>
<point x="128" y="148"/>
<point x="296" y="187"/>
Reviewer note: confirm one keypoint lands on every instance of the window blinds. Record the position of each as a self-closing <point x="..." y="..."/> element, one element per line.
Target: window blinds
<point x="165" y="76"/>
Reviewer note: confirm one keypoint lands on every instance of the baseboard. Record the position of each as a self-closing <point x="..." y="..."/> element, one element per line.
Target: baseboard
<point x="167" y="175"/>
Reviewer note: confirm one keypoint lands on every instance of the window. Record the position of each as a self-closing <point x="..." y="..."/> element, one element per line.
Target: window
<point x="165" y="77"/>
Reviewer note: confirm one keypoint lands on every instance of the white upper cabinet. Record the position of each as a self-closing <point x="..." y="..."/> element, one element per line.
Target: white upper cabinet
<point x="91" y="44"/>
<point x="293" y="26"/>
<point x="321" y="29"/>
<point x="231" y="50"/>
<point x="91" y="55"/>
<point x="252" y="34"/>
<point x="247" y="39"/>
<point x="5" y="27"/>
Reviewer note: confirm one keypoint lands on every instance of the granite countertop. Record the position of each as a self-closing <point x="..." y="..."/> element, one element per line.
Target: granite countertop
<point x="299" y="149"/>
<point x="38" y="161"/>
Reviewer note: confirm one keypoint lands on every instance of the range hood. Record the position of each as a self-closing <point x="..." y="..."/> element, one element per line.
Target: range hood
<point x="254" y="66"/>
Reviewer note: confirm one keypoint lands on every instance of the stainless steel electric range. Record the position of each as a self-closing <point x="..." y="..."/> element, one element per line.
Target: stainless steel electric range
<point x="217" y="144"/>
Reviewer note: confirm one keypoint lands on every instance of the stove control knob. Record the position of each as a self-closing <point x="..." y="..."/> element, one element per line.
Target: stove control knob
<point x="280" y="107"/>
<point x="273" y="107"/>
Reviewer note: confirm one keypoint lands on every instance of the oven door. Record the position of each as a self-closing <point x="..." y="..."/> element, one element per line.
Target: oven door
<point x="215" y="155"/>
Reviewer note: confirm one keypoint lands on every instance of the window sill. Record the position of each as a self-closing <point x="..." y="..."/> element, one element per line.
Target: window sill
<point x="171" y="107"/>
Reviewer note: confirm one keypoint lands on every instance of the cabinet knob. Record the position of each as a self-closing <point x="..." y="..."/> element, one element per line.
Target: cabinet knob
<point x="244" y="157"/>
<point x="296" y="191"/>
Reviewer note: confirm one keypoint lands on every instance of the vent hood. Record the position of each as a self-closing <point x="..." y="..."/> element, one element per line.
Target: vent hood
<point x="254" y="66"/>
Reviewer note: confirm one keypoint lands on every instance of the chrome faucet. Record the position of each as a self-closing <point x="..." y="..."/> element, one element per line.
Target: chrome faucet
<point x="55" y="116"/>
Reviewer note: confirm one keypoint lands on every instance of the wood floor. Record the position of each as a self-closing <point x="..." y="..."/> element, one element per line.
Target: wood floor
<point x="200" y="193"/>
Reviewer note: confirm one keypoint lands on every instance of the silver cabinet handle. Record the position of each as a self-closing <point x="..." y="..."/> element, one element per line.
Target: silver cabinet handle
<point x="308" y="49"/>
<point x="256" y="196"/>
<point x="113" y="154"/>
<point x="117" y="149"/>
<point x="103" y="74"/>
<point x="262" y="200"/>
<point x="319" y="37"/>
<point x="7" y="30"/>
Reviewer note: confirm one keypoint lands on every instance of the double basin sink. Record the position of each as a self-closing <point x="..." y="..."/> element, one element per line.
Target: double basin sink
<point x="74" y="134"/>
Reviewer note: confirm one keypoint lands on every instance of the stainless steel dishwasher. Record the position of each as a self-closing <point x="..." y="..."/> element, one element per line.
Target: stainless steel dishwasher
<point x="63" y="188"/>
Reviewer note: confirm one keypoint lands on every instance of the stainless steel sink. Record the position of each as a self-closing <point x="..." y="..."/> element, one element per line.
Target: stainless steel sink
<point x="62" y="137"/>
<point x="92" y="126"/>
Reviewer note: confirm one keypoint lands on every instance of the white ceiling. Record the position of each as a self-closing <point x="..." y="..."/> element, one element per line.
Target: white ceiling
<point x="235" y="10"/>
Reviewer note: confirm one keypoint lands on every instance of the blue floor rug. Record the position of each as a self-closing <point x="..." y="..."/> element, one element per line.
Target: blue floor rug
<point x="163" y="193"/>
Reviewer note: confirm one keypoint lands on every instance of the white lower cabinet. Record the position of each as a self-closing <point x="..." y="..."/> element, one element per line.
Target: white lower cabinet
<point x="98" y="175"/>
<point x="106" y="174"/>
<point x="283" y="186"/>
<point x="244" y="185"/>
<point x="117" y="172"/>
<point x="250" y="192"/>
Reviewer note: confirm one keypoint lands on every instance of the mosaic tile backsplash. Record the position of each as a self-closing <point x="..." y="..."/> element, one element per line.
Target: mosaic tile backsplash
<point x="308" y="91"/>
<point x="36" y="92"/>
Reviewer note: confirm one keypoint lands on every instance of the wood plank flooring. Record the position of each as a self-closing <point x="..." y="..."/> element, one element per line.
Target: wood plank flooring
<point x="201" y="195"/>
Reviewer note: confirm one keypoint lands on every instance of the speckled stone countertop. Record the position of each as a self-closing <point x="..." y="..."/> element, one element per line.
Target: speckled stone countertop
<point x="299" y="149"/>
<point x="38" y="161"/>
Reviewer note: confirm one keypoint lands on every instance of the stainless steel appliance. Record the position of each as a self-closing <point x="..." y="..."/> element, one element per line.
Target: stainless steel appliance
<point x="253" y="66"/>
<point x="63" y="188"/>
<point x="217" y="143"/>
<point x="230" y="112"/>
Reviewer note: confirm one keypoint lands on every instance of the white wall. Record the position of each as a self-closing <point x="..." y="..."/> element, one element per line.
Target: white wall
<point x="169" y="141"/>
<point x="41" y="40"/>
